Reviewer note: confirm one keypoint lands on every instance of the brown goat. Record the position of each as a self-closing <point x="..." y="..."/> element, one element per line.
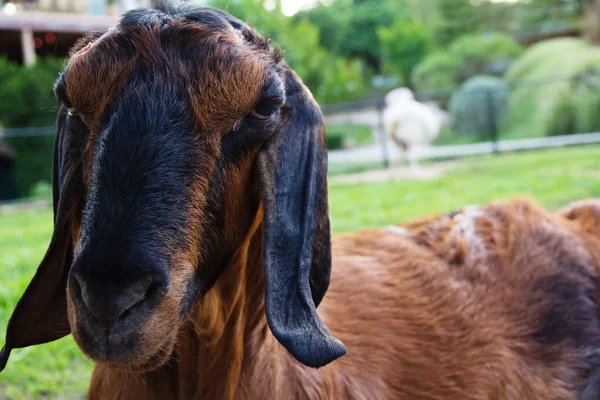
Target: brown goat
<point x="192" y="246"/>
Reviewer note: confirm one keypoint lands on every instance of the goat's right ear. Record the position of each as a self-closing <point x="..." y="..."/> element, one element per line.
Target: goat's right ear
<point x="41" y="314"/>
<point x="297" y="243"/>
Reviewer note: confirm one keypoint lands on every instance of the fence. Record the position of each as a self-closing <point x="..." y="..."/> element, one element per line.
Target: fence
<point x="546" y="112"/>
<point x="549" y="111"/>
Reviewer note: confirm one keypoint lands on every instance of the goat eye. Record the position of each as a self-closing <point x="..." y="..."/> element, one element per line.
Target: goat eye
<point x="263" y="112"/>
<point x="69" y="107"/>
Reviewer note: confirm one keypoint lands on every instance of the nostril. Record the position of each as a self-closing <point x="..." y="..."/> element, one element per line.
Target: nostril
<point x="107" y="302"/>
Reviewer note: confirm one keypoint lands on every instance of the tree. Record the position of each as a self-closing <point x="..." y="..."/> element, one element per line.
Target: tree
<point x="404" y="45"/>
<point x="361" y="40"/>
<point x="457" y="17"/>
<point x="333" y="22"/>
<point x="330" y="77"/>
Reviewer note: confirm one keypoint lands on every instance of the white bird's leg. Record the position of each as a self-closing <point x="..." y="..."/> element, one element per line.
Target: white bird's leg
<point x="413" y="160"/>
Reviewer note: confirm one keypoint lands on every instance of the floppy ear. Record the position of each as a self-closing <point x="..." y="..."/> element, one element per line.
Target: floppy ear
<point x="297" y="242"/>
<point x="41" y="314"/>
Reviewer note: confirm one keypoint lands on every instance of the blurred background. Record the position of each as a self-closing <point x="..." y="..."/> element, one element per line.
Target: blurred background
<point x="430" y="105"/>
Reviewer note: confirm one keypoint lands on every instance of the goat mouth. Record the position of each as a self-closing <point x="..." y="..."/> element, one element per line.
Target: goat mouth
<point x="126" y="351"/>
<point x="123" y="345"/>
<point x="144" y="362"/>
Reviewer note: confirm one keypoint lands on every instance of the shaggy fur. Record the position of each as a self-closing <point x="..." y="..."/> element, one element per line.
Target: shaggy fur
<point x="192" y="246"/>
<point x="497" y="302"/>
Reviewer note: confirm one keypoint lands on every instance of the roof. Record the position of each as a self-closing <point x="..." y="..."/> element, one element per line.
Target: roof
<point x="56" y="22"/>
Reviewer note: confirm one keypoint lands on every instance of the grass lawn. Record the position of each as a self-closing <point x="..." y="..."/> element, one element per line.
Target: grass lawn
<point x="553" y="177"/>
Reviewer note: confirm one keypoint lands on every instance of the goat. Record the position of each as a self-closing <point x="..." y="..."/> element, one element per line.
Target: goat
<point x="412" y="125"/>
<point x="191" y="246"/>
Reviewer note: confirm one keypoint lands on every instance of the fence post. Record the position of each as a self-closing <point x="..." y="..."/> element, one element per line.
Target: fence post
<point x="493" y="125"/>
<point x="382" y="135"/>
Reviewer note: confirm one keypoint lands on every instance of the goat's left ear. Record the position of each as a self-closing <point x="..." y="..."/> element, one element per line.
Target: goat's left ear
<point x="297" y="239"/>
<point x="41" y="313"/>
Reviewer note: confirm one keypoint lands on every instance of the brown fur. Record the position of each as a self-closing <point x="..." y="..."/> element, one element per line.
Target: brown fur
<point x="455" y="306"/>
<point x="419" y="321"/>
<point x="219" y="93"/>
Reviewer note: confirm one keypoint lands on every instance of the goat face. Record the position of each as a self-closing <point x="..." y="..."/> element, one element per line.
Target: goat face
<point x="178" y="130"/>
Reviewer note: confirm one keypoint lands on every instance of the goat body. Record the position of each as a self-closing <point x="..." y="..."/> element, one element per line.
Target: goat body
<point x="496" y="302"/>
<point x="192" y="246"/>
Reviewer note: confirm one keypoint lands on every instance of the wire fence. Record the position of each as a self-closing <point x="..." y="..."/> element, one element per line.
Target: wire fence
<point x="549" y="111"/>
<point x="493" y="116"/>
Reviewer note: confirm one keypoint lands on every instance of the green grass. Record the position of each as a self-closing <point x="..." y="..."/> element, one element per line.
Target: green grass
<point x="553" y="177"/>
<point x="55" y="370"/>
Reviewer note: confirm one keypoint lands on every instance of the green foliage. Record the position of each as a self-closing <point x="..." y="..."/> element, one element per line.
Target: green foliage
<point x="333" y="22"/>
<point x="477" y="104"/>
<point x="338" y="135"/>
<point x="33" y="162"/>
<point x="542" y="59"/>
<point x="440" y="71"/>
<point x="26" y="97"/>
<point x="468" y="56"/>
<point x="478" y="51"/>
<point x="566" y="104"/>
<point x="457" y="18"/>
<point x="576" y="111"/>
<point x="538" y="16"/>
<point x="404" y="45"/>
<point x="349" y="28"/>
<point x="26" y="100"/>
<point x="366" y="18"/>
<point x="330" y="77"/>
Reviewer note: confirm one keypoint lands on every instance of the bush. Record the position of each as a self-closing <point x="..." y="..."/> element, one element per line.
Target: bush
<point x="476" y="52"/>
<point x="33" y="163"/>
<point x="438" y="72"/>
<point x="470" y="106"/>
<point x="576" y="111"/>
<point x="466" y="57"/>
<point x="541" y="59"/>
<point x="404" y="45"/>
<point x="26" y="100"/>
<point x="340" y="135"/>
<point x="335" y="142"/>
<point x="567" y="105"/>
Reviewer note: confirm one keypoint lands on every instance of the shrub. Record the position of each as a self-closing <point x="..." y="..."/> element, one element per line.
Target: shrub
<point x="467" y="56"/>
<point x="471" y="109"/>
<point x="335" y="142"/>
<point x="404" y="45"/>
<point x="33" y="162"/>
<point x="478" y="51"/>
<point x="438" y="72"/>
<point x="340" y="135"/>
<point x="576" y="111"/>
<point x="26" y="100"/>
<point x="568" y="103"/>
<point x="541" y="59"/>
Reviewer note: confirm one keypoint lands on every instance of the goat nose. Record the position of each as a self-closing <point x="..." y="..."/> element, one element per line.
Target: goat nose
<point x="107" y="302"/>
